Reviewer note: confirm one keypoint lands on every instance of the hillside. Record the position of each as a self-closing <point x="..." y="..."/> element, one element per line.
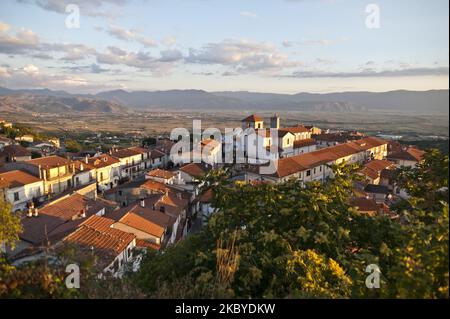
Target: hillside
<point x="34" y="103"/>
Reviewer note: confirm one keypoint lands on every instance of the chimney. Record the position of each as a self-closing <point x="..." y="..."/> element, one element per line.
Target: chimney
<point x="154" y="207"/>
<point x="30" y="212"/>
<point x="83" y="213"/>
<point x="142" y="203"/>
<point x="81" y="167"/>
<point x="36" y="212"/>
<point x="86" y="159"/>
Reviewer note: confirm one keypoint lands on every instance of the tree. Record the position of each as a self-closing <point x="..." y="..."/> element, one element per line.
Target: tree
<point x="72" y="146"/>
<point x="10" y="225"/>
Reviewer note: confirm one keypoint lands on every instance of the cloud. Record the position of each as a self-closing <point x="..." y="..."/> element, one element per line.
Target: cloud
<point x="129" y="35"/>
<point x="30" y="76"/>
<point x="24" y="40"/>
<point x="248" y="14"/>
<point x="242" y="55"/>
<point x="87" y="7"/>
<point x="371" y="73"/>
<point x="287" y="44"/>
<point x="316" y="42"/>
<point x="169" y="41"/>
<point x="141" y="60"/>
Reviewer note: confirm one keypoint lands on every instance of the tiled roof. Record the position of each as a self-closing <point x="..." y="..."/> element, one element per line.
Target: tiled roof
<point x="207" y="196"/>
<point x="14" y="150"/>
<point x="16" y="178"/>
<point x="53" y="215"/>
<point x="196" y="170"/>
<point x="145" y="244"/>
<point x="50" y="161"/>
<point x="160" y="173"/>
<point x="295" y="129"/>
<point x="411" y="154"/>
<point x="143" y="218"/>
<point x="155" y="186"/>
<point x="365" y="205"/>
<point x="173" y="205"/>
<point x="103" y="241"/>
<point x="253" y="118"/>
<point x="290" y="165"/>
<point x="156" y="154"/>
<point x="305" y="142"/>
<point x="126" y="152"/>
<point x="103" y="160"/>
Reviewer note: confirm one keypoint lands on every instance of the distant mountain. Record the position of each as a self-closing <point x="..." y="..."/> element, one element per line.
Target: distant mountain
<point x="413" y="102"/>
<point x="34" y="103"/>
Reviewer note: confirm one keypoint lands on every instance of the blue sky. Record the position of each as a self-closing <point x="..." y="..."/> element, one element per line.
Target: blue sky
<point x="284" y="46"/>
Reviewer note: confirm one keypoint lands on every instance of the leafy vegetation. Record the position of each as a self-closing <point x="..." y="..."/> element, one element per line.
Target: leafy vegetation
<point x="287" y="240"/>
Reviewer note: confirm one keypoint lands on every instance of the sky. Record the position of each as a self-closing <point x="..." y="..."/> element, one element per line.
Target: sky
<point x="280" y="46"/>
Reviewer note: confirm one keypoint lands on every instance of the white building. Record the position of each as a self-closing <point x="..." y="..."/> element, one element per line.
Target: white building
<point x="20" y="188"/>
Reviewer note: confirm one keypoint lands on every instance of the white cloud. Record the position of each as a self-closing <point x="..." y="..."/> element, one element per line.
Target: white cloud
<point x="242" y="55"/>
<point x="248" y="14"/>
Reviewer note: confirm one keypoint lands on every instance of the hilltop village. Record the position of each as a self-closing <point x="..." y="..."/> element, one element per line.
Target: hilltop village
<point x="120" y="203"/>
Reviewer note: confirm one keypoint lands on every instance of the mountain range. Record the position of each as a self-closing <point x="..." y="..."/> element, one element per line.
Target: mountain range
<point x="116" y="101"/>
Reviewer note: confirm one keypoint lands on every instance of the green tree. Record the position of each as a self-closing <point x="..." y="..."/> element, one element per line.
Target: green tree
<point x="10" y="225"/>
<point x="72" y="146"/>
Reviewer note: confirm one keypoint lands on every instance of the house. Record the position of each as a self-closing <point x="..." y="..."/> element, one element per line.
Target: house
<point x="300" y="132"/>
<point x="20" y="188"/>
<point x="253" y="121"/>
<point x="332" y="139"/>
<point x="4" y="141"/>
<point x="25" y="138"/>
<point x="84" y="174"/>
<point x="206" y="208"/>
<point x="368" y="206"/>
<point x="14" y="153"/>
<point x="6" y="124"/>
<point x="113" y="248"/>
<point x="130" y="163"/>
<point x="43" y="148"/>
<point x="314" y="129"/>
<point x="146" y="223"/>
<point x="211" y="151"/>
<point x="304" y="146"/>
<point x="161" y="176"/>
<point x="408" y="157"/>
<point x="47" y="225"/>
<point x="373" y="169"/>
<point x="56" y="172"/>
<point x="379" y="193"/>
<point x="315" y="166"/>
<point x="107" y="171"/>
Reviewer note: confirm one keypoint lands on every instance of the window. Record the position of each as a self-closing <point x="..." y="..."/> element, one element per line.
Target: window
<point x="320" y="168"/>
<point x="77" y="181"/>
<point x="69" y="183"/>
<point x="101" y="176"/>
<point x="308" y="172"/>
<point x="16" y="196"/>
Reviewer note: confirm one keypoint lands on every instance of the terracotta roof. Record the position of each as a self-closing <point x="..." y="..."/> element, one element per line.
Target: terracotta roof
<point x="50" y="161"/>
<point x="365" y="205"/>
<point x="305" y="142"/>
<point x="207" y="196"/>
<point x="173" y="205"/>
<point x="253" y="118"/>
<point x="126" y="152"/>
<point x="295" y="129"/>
<point x="155" y="186"/>
<point x="16" y="178"/>
<point x="145" y="244"/>
<point x="156" y="154"/>
<point x="14" y="150"/>
<point x="160" y="173"/>
<point x="82" y="166"/>
<point x="102" y="160"/>
<point x="196" y="170"/>
<point x="53" y="215"/>
<point x="102" y="241"/>
<point x="379" y="165"/>
<point x="143" y="218"/>
<point x="290" y="165"/>
<point x="411" y="154"/>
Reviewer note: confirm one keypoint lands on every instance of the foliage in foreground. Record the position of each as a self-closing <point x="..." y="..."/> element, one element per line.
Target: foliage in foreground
<point x="306" y="241"/>
<point x="282" y="241"/>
